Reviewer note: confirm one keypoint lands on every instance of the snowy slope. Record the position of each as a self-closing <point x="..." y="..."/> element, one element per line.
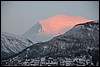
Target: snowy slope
<point x="46" y="29"/>
<point x="12" y="44"/>
<point x="79" y="39"/>
<point x="36" y="35"/>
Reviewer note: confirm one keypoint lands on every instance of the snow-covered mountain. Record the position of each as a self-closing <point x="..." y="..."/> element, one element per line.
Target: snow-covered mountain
<point x="78" y="40"/>
<point x="45" y="30"/>
<point x="35" y="35"/>
<point x="12" y="44"/>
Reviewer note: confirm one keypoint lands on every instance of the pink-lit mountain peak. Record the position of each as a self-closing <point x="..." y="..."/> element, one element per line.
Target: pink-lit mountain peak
<point x="57" y="23"/>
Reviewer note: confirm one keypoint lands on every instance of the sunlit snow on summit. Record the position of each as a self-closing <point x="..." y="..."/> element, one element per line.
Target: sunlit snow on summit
<point x="60" y="22"/>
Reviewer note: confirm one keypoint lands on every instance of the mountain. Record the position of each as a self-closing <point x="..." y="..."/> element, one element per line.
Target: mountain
<point x="46" y="29"/>
<point x="81" y="40"/>
<point x="12" y="44"/>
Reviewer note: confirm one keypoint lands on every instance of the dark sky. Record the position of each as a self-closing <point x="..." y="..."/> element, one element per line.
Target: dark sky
<point x="18" y="16"/>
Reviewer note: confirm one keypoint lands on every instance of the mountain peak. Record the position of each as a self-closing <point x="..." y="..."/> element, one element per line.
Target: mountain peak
<point x="46" y="29"/>
<point x="59" y="22"/>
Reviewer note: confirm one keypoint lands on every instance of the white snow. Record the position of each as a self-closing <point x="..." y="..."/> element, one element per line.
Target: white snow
<point x="36" y="34"/>
<point x="14" y="43"/>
